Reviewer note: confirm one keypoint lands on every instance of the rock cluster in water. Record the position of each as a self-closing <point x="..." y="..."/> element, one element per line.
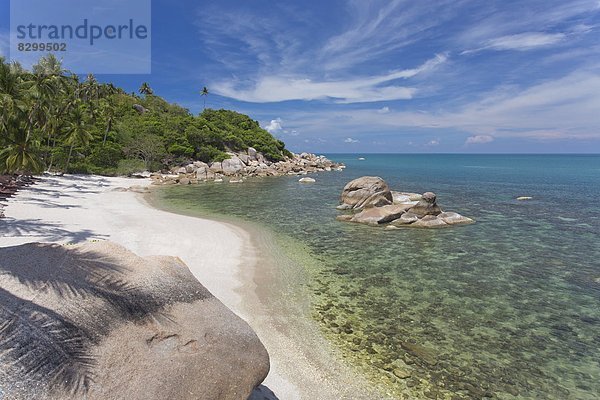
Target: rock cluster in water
<point x="247" y="164"/>
<point x="371" y="202"/>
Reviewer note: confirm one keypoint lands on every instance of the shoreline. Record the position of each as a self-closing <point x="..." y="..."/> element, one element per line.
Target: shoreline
<point x="233" y="262"/>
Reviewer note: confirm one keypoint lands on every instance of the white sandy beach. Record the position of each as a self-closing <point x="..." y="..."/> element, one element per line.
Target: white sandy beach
<point x="223" y="257"/>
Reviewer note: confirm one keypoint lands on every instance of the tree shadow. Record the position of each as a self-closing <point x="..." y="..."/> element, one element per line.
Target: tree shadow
<point x="11" y="227"/>
<point x="57" y="303"/>
<point x="262" y="392"/>
<point x="45" y="203"/>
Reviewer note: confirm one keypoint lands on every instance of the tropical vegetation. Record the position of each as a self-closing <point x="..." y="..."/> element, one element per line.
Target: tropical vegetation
<point x="51" y="119"/>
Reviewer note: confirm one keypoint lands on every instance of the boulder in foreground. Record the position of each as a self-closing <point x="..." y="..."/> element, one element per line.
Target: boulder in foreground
<point x="374" y="204"/>
<point x="96" y="321"/>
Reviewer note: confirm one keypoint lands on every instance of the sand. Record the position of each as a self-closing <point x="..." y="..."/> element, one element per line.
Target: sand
<point x="228" y="260"/>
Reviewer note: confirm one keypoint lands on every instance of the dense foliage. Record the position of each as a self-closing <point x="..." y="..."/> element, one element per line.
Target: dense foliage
<point x="50" y="120"/>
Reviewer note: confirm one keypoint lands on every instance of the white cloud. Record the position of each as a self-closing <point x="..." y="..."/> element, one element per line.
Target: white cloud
<point x="525" y="41"/>
<point x="434" y="142"/>
<point x="384" y="110"/>
<point x="479" y="139"/>
<point x="369" y="89"/>
<point x="274" y="127"/>
<point x="350" y="140"/>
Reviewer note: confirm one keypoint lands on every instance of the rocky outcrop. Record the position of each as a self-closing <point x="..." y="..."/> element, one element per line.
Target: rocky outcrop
<point x="248" y="164"/>
<point x="368" y="191"/>
<point x="372" y="203"/>
<point x="96" y="321"/>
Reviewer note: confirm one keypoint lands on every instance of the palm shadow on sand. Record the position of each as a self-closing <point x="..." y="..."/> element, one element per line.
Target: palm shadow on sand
<point x="57" y="303"/>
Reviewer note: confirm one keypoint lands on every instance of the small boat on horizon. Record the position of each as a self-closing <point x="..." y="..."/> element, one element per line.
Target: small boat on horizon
<point x="361" y="158"/>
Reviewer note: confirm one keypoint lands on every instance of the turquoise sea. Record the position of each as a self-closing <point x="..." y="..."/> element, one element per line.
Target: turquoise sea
<point x="507" y="308"/>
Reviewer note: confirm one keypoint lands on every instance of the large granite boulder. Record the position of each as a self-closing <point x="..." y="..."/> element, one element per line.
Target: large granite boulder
<point x="95" y="321"/>
<point x="367" y="191"/>
<point x="380" y="215"/>
<point x="252" y="154"/>
<point x="232" y="166"/>
<point x="216" y="167"/>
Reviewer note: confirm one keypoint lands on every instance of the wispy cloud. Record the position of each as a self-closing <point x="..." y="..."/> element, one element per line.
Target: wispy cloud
<point x="350" y="140"/>
<point x="522" y="41"/>
<point x="367" y="89"/>
<point x="526" y="28"/>
<point x="565" y="108"/>
<point x="381" y="27"/>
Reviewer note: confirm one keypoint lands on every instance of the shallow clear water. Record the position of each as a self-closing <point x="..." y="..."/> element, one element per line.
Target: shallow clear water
<point x="508" y="307"/>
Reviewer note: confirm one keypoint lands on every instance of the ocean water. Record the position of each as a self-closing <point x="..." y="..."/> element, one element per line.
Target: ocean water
<point x="507" y="308"/>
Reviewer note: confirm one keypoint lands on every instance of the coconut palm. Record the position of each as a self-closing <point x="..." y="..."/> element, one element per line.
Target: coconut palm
<point x="77" y="130"/>
<point x="204" y="93"/>
<point x="49" y="65"/>
<point x="17" y="118"/>
<point x="20" y="153"/>
<point x="145" y="89"/>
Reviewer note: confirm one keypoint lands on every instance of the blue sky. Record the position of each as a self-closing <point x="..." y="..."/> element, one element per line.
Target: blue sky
<point x="386" y="76"/>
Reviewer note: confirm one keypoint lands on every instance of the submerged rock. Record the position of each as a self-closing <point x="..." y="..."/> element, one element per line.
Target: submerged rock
<point x="307" y="180"/>
<point x="423" y="353"/>
<point x="452" y="218"/>
<point x="96" y="321"/>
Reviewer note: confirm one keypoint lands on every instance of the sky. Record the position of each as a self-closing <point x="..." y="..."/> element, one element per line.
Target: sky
<point x="346" y="76"/>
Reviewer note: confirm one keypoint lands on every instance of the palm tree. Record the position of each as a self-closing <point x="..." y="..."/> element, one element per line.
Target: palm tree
<point x="17" y="117"/>
<point x="49" y="65"/>
<point x="145" y="89"/>
<point x="204" y="93"/>
<point x="20" y="154"/>
<point x="76" y="132"/>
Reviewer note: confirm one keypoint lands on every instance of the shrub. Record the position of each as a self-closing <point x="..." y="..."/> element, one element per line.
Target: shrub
<point x="130" y="166"/>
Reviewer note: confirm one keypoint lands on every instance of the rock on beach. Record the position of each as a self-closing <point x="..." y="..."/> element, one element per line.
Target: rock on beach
<point x="96" y="321"/>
